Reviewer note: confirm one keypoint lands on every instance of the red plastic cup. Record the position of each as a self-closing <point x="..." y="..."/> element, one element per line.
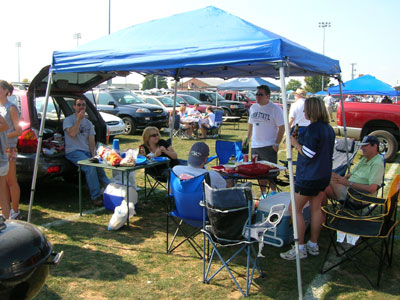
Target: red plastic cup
<point x="254" y="158"/>
<point x="245" y="157"/>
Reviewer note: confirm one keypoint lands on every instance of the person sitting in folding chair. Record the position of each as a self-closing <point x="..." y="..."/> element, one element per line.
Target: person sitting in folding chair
<point x="366" y="175"/>
<point x="207" y="121"/>
<point x="187" y="128"/>
<point x="197" y="159"/>
<point x="154" y="146"/>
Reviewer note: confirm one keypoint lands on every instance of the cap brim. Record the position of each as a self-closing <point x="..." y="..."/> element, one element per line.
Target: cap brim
<point x="363" y="144"/>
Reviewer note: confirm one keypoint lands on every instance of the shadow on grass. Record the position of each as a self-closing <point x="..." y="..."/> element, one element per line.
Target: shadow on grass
<point x="84" y="262"/>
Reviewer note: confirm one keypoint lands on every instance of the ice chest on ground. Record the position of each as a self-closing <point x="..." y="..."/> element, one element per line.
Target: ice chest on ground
<point x="115" y="193"/>
<point x="283" y="233"/>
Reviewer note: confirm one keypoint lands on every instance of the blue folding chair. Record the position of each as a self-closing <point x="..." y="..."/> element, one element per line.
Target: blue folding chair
<point x="213" y="131"/>
<point x="185" y="196"/>
<point x="225" y="150"/>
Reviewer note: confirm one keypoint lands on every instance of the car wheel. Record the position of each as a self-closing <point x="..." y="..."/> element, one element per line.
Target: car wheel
<point x="388" y="144"/>
<point x="227" y="113"/>
<point x="130" y="127"/>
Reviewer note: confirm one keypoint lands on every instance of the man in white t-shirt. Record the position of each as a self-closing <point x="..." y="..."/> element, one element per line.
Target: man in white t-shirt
<point x="197" y="159"/>
<point x="266" y="128"/>
<point x="296" y="112"/>
<point x="329" y="100"/>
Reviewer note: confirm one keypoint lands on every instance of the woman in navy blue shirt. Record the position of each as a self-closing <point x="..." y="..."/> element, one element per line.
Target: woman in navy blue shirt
<point x="313" y="173"/>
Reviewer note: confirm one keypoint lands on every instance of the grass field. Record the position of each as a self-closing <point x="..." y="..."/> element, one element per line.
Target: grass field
<point x="132" y="263"/>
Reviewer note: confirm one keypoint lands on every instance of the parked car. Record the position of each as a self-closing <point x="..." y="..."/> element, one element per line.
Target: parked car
<point x="165" y="102"/>
<point x="231" y="108"/>
<point x="135" y="113"/>
<point x="115" y="125"/>
<point x="65" y="89"/>
<point x="248" y="99"/>
<point x="190" y="101"/>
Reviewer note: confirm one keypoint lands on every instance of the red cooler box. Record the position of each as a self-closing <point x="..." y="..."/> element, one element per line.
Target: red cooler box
<point x="283" y="233"/>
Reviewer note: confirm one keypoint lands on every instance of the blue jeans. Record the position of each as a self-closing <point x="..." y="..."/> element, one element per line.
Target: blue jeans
<point x="93" y="175"/>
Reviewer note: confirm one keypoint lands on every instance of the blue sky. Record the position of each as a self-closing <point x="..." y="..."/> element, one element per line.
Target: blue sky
<point x="363" y="32"/>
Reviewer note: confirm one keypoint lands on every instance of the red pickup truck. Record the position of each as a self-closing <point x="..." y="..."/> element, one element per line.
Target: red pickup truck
<point x="379" y="119"/>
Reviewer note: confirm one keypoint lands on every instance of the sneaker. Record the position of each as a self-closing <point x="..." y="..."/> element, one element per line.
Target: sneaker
<point x="14" y="215"/>
<point x="312" y="250"/>
<point x="98" y="201"/>
<point x="263" y="196"/>
<point x="291" y="254"/>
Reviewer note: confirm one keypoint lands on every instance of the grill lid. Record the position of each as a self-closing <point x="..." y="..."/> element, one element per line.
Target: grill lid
<point x="23" y="247"/>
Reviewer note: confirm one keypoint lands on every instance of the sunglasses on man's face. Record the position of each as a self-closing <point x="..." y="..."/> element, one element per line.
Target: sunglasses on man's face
<point x="154" y="135"/>
<point x="80" y="104"/>
<point x="260" y="95"/>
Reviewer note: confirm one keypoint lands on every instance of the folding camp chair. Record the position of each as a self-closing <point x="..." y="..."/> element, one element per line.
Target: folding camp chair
<point x="178" y="130"/>
<point x="213" y="131"/>
<point x="229" y="213"/>
<point x="339" y="159"/>
<point x="184" y="208"/>
<point x="225" y="149"/>
<point x="376" y="227"/>
<point x="154" y="178"/>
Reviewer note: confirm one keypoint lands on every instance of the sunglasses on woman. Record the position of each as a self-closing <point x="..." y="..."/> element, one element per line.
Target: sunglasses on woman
<point x="80" y="104"/>
<point x="154" y="135"/>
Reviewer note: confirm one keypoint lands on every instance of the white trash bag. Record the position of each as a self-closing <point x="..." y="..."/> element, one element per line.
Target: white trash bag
<point x="119" y="217"/>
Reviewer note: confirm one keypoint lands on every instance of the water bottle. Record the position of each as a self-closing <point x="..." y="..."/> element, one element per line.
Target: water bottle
<point x="295" y="133"/>
<point x="115" y="145"/>
<point x="245" y="147"/>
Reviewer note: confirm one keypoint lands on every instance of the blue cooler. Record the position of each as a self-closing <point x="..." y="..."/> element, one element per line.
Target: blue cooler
<point x="115" y="193"/>
<point x="283" y="233"/>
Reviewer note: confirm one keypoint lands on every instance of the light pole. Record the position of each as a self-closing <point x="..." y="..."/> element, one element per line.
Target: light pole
<point x="77" y="36"/>
<point x="323" y="25"/>
<point x="18" y="45"/>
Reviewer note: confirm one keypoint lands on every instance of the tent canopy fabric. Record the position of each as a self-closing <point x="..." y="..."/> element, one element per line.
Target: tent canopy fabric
<point x="321" y="93"/>
<point x="364" y="85"/>
<point x="207" y="42"/>
<point x="247" y="84"/>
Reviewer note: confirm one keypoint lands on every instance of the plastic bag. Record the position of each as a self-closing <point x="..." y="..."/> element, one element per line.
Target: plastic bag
<point x="119" y="217"/>
<point x="130" y="158"/>
<point x="108" y="155"/>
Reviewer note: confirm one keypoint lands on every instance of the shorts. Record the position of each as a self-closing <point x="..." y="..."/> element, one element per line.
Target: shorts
<point x="307" y="191"/>
<point x="12" y="153"/>
<point x="329" y="109"/>
<point x="266" y="153"/>
<point x="4" y="169"/>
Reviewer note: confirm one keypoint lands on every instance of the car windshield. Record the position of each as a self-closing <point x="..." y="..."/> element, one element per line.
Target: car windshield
<point x="125" y="98"/>
<point x="190" y="99"/>
<point x="251" y="96"/>
<point x="167" y="101"/>
<point x="212" y="95"/>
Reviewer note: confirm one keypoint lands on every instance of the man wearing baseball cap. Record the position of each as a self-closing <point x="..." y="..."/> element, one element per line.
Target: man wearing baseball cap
<point x="365" y="177"/>
<point x="197" y="159"/>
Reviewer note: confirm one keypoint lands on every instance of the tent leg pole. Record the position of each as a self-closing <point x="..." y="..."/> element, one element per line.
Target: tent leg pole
<point x="290" y="166"/>
<point x="171" y="125"/>
<point x="344" y="124"/>
<point x="39" y="145"/>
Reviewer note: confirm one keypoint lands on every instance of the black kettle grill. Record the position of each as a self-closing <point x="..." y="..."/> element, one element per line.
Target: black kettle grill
<point x="25" y="258"/>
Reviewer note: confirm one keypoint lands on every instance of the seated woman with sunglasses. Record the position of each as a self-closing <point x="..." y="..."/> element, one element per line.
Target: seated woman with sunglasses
<point x="154" y="146"/>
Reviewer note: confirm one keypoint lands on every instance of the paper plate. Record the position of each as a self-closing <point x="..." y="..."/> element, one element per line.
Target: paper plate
<point x="159" y="158"/>
<point x="141" y="160"/>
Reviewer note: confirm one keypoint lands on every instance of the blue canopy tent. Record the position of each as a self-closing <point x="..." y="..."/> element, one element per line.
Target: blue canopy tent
<point x="364" y="85"/>
<point x="247" y="84"/>
<point x="208" y="42"/>
<point x="321" y="93"/>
